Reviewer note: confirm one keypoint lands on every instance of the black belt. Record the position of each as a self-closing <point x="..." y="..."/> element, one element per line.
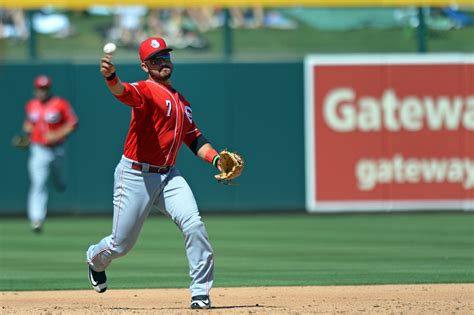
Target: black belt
<point x="151" y="169"/>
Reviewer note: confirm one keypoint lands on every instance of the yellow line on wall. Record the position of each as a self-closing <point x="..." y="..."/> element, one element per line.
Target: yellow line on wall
<point x="75" y="4"/>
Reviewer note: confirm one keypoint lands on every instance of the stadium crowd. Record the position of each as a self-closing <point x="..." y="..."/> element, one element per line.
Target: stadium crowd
<point x="181" y="27"/>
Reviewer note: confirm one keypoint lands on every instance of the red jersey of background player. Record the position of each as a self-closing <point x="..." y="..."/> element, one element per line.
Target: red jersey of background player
<point x="48" y="116"/>
<point x="161" y="121"/>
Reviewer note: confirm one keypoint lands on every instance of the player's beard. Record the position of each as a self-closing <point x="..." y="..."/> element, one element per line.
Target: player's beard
<point x="162" y="74"/>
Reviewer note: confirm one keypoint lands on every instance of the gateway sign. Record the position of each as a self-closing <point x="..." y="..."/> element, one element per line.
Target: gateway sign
<point x="389" y="132"/>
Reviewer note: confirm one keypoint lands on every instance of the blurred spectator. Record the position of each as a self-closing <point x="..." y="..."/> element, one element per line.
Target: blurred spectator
<point x="13" y="25"/>
<point x="275" y="19"/>
<point x="256" y="17"/>
<point x="203" y="17"/>
<point x="248" y="18"/>
<point x="128" y="25"/>
<point x="156" y="24"/>
<point x="457" y="17"/>
<point x="181" y="28"/>
<point x="50" y="21"/>
<point x="439" y="19"/>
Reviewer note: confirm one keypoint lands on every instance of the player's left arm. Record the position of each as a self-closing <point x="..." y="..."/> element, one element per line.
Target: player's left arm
<point x="201" y="147"/>
<point x="230" y="164"/>
<point x="60" y="133"/>
<point x="209" y="154"/>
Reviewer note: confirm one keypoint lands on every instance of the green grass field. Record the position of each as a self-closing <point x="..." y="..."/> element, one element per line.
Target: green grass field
<point x="250" y="250"/>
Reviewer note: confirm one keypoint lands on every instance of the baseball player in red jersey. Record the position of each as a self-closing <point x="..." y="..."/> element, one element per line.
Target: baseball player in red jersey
<point x="146" y="175"/>
<point x="49" y="120"/>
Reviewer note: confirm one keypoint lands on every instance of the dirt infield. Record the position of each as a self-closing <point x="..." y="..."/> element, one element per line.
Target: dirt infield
<point x="381" y="299"/>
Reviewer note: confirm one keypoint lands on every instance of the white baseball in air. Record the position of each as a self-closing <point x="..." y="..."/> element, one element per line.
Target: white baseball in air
<point x="109" y="48"/>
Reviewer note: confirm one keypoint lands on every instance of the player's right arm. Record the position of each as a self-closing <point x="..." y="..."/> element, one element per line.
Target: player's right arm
<point x="107" y="68"/>
<point x="27" y="124"/>
<point x="122" y="91"/>
<point x="27" y="127"/>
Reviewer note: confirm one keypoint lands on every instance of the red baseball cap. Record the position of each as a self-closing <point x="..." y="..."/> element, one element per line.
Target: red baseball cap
<point x="151" y="47"/>
<point x="42" y="81"/>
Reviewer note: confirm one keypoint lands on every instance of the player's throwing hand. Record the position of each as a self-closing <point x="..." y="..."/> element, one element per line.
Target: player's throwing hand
<point x="107" y="68"/>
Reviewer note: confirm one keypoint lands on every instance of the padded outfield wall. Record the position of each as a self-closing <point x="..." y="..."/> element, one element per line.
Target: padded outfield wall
<point x="256" y="109"/>
<point x="399" y="134"/>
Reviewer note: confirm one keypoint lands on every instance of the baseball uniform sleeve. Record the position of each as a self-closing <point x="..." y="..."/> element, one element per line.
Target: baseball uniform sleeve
<point x="69" y="114"/>
<point x="191" y="135"/>
<point x="132" y="95"/>
<point x="28" y="107"/>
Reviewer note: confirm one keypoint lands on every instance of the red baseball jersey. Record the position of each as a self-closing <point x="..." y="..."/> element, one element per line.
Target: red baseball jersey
<point x="161" y="121"/>
<point x="48" y="116"/>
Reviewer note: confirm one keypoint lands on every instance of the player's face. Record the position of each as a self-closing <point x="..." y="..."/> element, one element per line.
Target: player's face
<point x="160" y="68"/>
<point x="42" y="93"/>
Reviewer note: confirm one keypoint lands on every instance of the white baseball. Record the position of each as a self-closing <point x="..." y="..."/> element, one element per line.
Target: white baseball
<point x="109" y="48"/>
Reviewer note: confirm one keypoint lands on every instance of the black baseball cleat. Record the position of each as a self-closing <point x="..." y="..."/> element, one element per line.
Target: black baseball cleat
<point x="98" y="280"/>
<point x="200" y="302"/>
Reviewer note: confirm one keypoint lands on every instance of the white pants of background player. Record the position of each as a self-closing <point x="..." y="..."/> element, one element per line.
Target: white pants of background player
<point x="43" y="161"/>
<point x="135" y="193"/>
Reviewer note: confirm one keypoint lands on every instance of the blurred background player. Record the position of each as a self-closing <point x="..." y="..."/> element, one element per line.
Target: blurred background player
<point x="49" y="120"/>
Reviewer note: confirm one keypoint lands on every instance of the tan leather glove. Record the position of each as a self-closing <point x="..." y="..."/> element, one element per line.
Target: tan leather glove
<point x="21" y="141"/>
<point x="231" y="165"/>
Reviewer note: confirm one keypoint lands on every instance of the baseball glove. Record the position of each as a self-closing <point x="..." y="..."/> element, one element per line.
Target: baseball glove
<point x="21" y="141"/>
<point x="231" y="165"/>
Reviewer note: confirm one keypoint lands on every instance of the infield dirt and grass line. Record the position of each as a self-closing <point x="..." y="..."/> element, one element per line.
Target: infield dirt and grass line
<point x="383" y="299"/>
<point x="268" y="264"/>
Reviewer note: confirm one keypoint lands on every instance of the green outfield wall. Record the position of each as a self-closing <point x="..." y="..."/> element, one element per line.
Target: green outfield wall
<point x="253" y="108"/>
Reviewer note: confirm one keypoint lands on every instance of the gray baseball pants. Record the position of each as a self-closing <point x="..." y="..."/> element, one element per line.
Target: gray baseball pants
<point x="43" y="160"/>
<point x="135" y="193"/>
